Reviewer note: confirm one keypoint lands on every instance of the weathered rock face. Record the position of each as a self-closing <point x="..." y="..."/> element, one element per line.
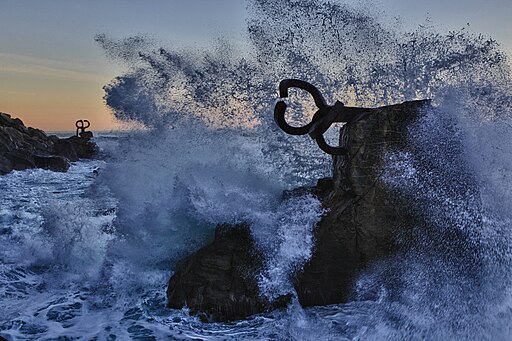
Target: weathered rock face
<point x="363" y="217"/>
<point x="219" y="266"/>
<point x="74" y="148"/>
<point x="24" y="147"/>
<point x="218" y="282"/>
<point x="362" y="220"/>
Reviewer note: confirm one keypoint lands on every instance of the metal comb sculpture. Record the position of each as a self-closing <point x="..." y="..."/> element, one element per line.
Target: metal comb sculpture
<point x="80" y="129"/>
<point x="323" y="118"/>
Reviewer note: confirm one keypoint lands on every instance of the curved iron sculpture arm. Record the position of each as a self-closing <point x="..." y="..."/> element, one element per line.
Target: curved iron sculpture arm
<point x="279" y="111"/>
<point x="324" y="117"/>
<point x="322" y="144"/>
<point x="280" y="108"/>
<point x="285" y="84"/>
<point x="80" y="126"/>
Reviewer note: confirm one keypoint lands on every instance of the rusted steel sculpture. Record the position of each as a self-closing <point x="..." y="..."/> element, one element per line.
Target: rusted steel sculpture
<point x="81" y="125"/>
<point x="323" y="118"/>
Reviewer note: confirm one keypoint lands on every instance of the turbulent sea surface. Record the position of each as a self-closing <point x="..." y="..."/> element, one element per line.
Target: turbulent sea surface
<point x="87" y="254"/>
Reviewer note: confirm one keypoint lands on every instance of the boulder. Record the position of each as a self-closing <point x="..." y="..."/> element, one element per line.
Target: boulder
<point x="24" y="147"/>
<point x="74" y="148"/>
<point x="363" y="217"/>
<point x="53" y="163"/>
<point x="217" y="282"/>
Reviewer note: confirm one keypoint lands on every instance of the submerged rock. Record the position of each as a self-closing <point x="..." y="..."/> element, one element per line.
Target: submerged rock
<point x="24" y="147"/>
<point x="362" y="220"/>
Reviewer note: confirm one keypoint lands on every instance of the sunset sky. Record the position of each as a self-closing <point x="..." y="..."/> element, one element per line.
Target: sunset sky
<point x="52" y="71"/>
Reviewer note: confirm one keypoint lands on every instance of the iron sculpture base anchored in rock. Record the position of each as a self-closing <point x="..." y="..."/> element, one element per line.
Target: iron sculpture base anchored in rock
<point x="362" y="219"/>
<point x="324" y="117"/>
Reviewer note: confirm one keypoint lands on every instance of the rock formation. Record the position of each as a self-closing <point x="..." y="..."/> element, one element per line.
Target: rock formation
<point x="362" y="220"/>
<point x="24" y="147"/>
<point x="218" y="281"/>
<point x="364" y="217"/>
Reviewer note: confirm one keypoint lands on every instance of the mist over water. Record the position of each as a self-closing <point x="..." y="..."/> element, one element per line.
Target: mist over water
<point x="95" y="260"/>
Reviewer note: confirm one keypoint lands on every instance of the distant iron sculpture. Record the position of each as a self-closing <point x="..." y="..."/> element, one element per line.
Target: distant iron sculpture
<point x="323" y="118"/>
<point x="80" y="129"/>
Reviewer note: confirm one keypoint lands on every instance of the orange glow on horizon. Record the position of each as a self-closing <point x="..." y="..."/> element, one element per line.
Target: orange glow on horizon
<point x="54" y="104"/>
<point x="53" y="120"/>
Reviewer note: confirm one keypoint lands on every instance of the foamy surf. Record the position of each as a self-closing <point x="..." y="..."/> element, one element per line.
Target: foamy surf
<point x="87" y="256"/>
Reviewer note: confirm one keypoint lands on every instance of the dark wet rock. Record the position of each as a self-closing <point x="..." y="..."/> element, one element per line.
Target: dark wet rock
<point x="362" y="221"/>
<point x="217" y="282"/>
<point x="24" y="147"/>
<point x="54" y="163"/>
<point x="364" y="217"/>
<point x="74" y="148"/>
<point x="20" y="159"/>
<point x="5" y="165"/>
<point x="86" y="135"/>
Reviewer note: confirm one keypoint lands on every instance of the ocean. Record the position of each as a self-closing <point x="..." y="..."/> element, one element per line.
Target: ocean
<point x="87" y="254"/>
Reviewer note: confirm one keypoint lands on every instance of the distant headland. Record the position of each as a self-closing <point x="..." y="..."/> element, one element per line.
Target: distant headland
<point x="24" y="147"/>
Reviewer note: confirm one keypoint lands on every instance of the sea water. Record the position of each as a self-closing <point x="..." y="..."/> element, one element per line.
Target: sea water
<point x="87" y="254"/>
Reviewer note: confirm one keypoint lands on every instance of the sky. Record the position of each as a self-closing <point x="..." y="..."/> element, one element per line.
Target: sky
<point x="52" y="72"/>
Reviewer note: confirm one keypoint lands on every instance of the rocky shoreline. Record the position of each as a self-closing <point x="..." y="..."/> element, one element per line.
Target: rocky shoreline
<point x="24" y="147"/>
<point x="362" y="221"/>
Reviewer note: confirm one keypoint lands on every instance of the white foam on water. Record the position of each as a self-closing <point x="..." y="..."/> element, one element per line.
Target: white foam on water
<point x="85" y="256"/>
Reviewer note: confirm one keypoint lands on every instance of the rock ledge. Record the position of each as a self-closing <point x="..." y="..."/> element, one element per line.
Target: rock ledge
<point x="24" y="147"/>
